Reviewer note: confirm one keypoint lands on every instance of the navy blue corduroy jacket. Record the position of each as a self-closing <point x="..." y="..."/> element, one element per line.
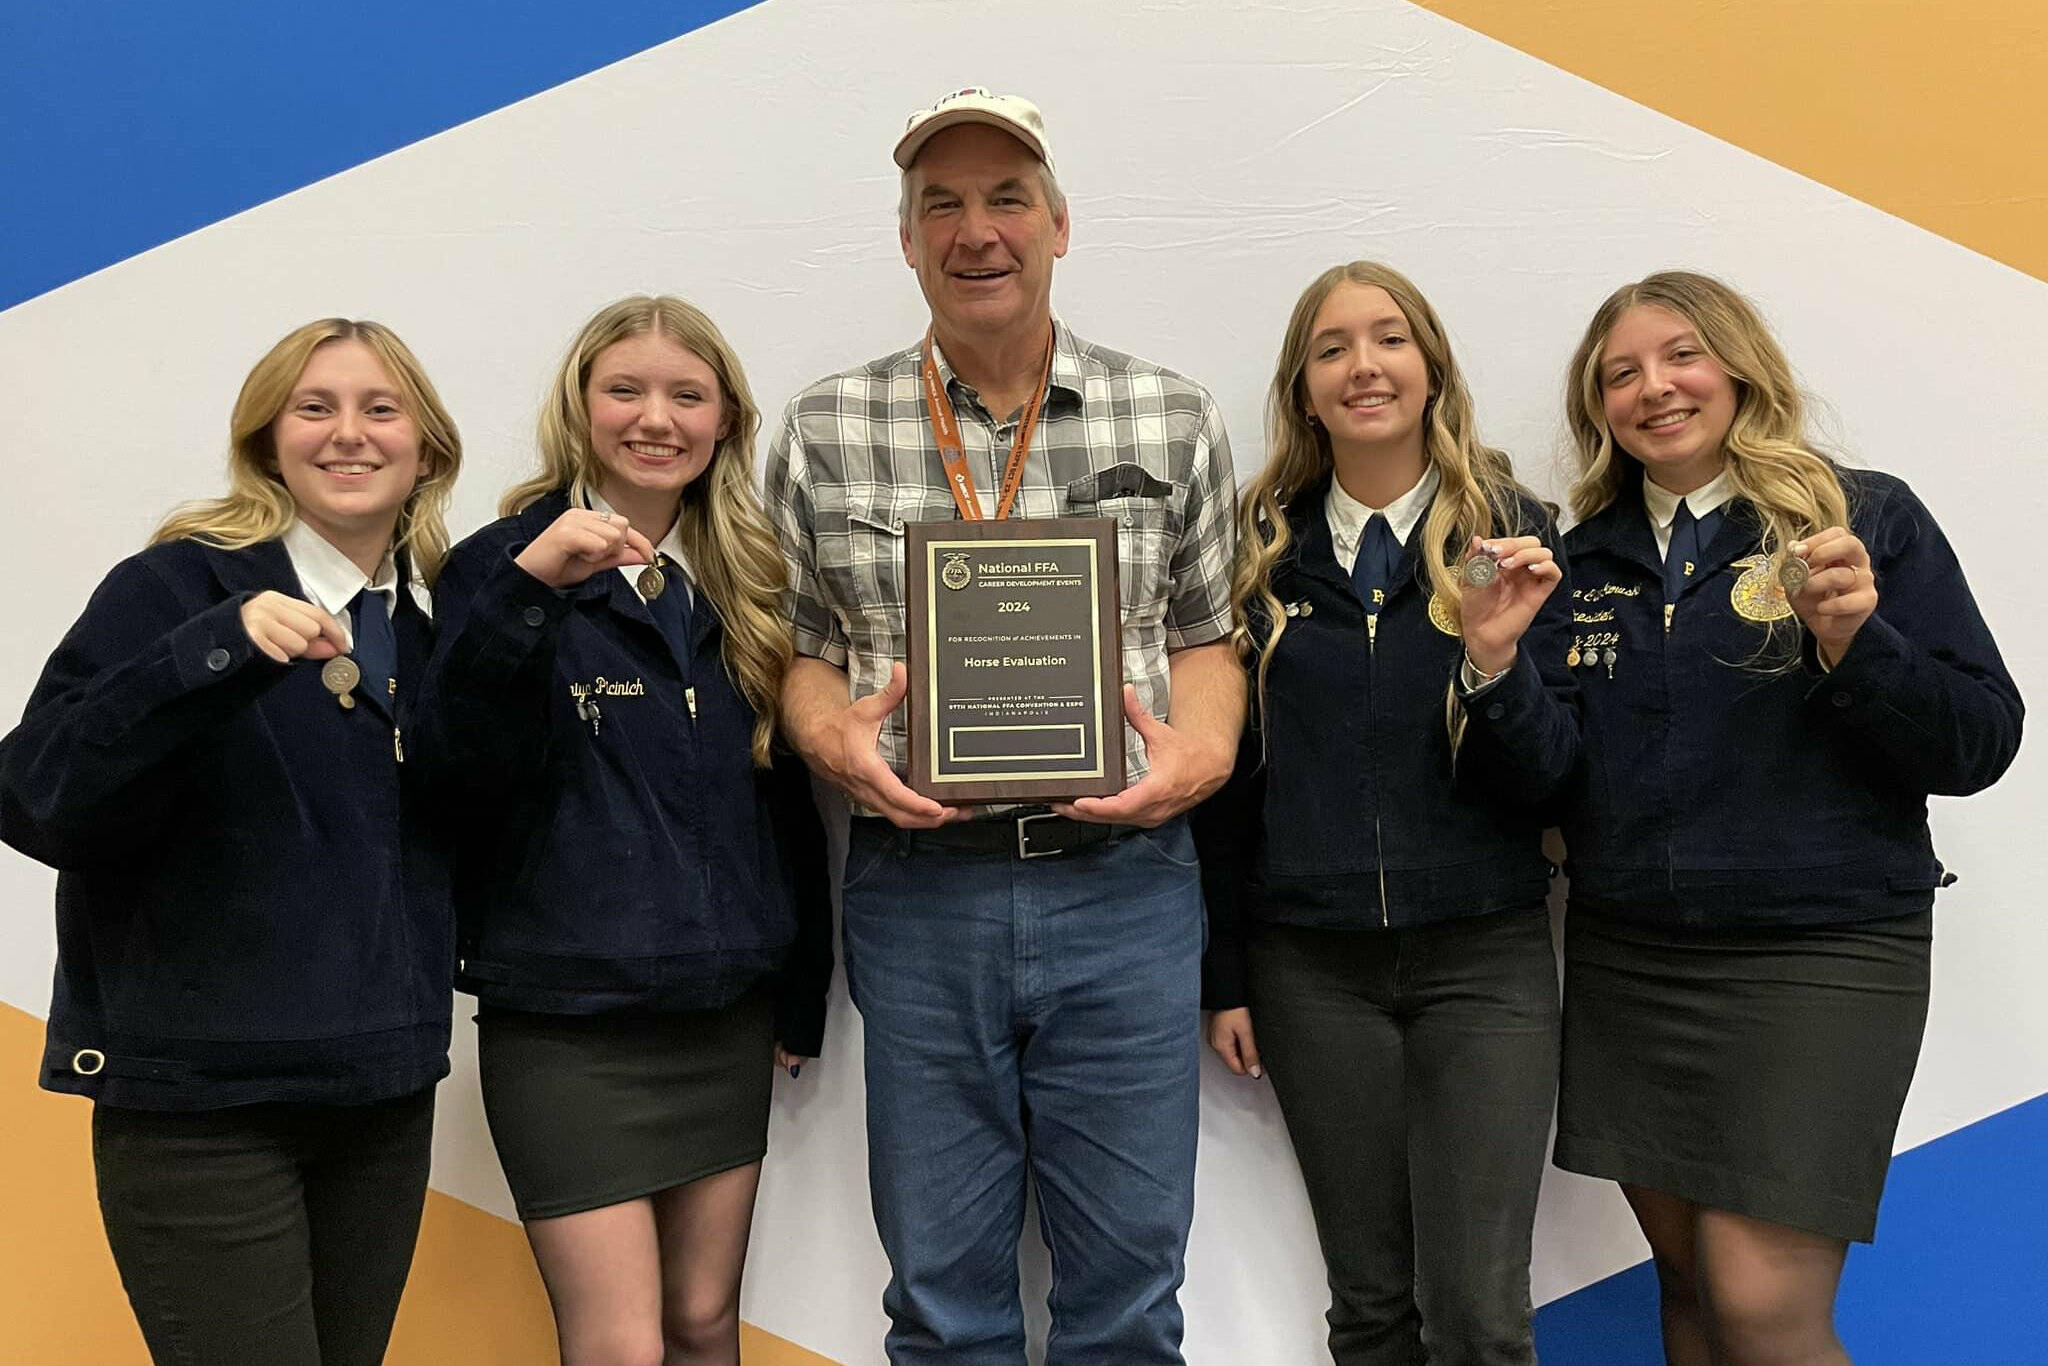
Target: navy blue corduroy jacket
<point x="618" y="850"/>
<point x="249" y="906"/>
<point x="1716" y="789"/>
<point x="1348" y="808"/>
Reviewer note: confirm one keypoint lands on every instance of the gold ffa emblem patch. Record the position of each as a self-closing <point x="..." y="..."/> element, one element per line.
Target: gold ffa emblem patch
<point x="1756" y="594"/>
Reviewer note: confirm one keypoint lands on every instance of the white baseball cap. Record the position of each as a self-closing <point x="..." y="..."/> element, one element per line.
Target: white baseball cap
<point x="1013" y="114"/>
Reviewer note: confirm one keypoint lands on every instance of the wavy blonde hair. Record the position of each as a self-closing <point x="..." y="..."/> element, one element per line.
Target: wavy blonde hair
<point x="257" y="507"/>
<point x="1771" y="462"/>
<point x="1478" y="495"/>
<point x="732" y="551"/>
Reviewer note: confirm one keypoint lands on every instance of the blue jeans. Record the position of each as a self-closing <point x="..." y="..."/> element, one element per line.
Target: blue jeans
<point x="1029" y="1019"/>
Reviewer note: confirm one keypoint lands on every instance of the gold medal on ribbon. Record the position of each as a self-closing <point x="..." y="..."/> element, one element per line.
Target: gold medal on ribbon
<point x="1757" y="595"/>
<point x="651" y="582"/>
<point x="1440" y="615"/>
<point x="339" y="676"/>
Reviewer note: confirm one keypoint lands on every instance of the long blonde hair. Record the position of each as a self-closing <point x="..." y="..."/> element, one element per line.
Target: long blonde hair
<point x="1771" y="462"/>
<point x="731" y="547"/>
<point x="1478" y="495"/>
<point x="257" y="507"/>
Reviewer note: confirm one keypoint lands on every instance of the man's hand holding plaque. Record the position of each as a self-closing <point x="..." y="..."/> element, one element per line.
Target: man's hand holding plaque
<point x="838" y="740"/>
<point x="1179" y="772"/>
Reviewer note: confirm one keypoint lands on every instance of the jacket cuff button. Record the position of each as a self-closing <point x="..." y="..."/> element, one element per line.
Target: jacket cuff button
<point x="535" y="616"/>
<point x="217" y="658"/>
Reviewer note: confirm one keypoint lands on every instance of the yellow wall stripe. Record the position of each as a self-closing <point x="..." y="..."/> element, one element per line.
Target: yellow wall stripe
<point x="1935" y="113"/>
<point x="474" y="1298"/>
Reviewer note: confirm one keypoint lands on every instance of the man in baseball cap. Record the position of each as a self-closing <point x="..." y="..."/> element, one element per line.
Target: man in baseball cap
<point x="1027" y="1018"/>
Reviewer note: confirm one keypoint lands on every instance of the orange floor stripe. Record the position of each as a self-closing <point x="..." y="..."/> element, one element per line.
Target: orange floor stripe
<point x="1933" y="113"/>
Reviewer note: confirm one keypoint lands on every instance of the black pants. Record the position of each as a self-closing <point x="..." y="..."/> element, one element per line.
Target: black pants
<point x="1415" y="1069"/>
<point x="265" y="1235"/>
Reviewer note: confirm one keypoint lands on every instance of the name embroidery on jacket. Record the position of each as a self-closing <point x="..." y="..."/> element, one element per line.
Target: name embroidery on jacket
<point x="607" y="687"/>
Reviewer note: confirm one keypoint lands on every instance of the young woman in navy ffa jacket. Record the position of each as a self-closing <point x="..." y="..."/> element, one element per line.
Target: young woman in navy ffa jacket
<point x="1779" y="660"/>
<point x="642" y="894"/>
<point x="1373" y="869"/>
<point x="253" y="930"/>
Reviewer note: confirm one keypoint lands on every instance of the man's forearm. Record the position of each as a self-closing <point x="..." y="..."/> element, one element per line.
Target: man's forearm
<point x="1207" y="705"/>
<point x="813" y="693"/>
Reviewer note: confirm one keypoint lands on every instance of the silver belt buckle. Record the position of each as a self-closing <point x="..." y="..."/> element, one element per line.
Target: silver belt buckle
<point x="1024" y="849"/>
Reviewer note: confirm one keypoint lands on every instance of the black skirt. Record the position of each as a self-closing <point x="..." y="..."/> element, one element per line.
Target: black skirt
<point x="591" y="1110"/>
<point x="1755" y="1070"/>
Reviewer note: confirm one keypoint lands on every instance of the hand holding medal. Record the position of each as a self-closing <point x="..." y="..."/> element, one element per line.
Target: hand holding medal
<point x="1839" y="590"/>
<point x="1504" y="582"/>
<point x="1482" y="567"/>
<point x="285" y="628"/>
<point x="581" y="543"/>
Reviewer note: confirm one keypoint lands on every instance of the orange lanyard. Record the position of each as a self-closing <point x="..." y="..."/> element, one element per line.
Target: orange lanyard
<point x="946" y="429"/>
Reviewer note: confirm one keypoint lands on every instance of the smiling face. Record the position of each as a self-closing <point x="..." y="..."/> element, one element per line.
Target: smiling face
<point x="346" y="448"/>
<point x="1667" y="401"/>
<point x="981" y="235"/>
<point x="656" y="416"/>
<point x="1365" y="379"/>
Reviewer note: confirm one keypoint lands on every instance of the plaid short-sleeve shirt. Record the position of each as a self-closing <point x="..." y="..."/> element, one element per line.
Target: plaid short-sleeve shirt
<point x="855" y="460"/>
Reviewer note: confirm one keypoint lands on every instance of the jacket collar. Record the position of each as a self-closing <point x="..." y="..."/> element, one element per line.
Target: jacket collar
<point x="1622" y="529"/>
<point x="267" y="565"/>
<point x="1314" y="553"/>
<point x="610" y="588"/>
<point x="254" y="569"/>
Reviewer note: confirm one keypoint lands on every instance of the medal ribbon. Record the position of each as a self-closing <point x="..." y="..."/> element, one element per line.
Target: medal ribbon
<point x="946" y="430"/>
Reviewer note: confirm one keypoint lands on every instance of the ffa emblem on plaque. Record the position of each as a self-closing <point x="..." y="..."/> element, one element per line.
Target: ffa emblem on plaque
<point x="954" y="573"/>
<point x="1440" y="615"/>
<point x="1756" y="594"/>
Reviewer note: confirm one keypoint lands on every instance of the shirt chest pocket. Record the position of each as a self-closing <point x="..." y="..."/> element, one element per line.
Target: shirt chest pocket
<point x="860" y="553"/>
<point x="1147" y="513"/>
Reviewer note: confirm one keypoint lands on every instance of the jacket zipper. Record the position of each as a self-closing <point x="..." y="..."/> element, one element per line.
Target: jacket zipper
<point x="397" y="736"/>
<point x="1670" y="843"/>
<point x="1372" y="636"/>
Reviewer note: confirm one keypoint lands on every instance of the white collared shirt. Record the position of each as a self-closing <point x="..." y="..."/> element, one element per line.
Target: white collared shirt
<point x="1662" y="505"/>
<point x="671" y="546"/>
<point x="331" y="579"/>
<point x="1347" y="516"/>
